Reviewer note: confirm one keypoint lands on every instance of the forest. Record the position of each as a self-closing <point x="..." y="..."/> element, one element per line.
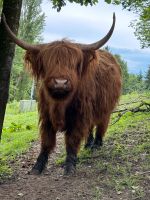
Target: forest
<point x="120" y="169"/>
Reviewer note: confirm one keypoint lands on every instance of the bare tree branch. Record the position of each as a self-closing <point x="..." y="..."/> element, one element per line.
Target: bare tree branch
<point x="142" y="107"/>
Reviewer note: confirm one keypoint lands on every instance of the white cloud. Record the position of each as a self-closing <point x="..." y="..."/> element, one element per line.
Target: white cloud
<point x="88" y="24"/>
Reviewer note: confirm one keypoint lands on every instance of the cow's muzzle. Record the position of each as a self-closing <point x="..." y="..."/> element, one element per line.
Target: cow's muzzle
<point x="59" y="88"/>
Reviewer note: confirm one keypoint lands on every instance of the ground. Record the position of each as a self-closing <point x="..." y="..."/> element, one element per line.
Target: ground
<point x="104" y="174"/>
<point x="119" y="170"/>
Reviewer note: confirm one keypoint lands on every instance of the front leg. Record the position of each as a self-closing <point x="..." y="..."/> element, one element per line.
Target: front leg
<point x="48" y="142"/>
<point x="73" y="141"/>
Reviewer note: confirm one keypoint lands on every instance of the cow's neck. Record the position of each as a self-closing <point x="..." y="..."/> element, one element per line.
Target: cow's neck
<point x="57" y="115"/>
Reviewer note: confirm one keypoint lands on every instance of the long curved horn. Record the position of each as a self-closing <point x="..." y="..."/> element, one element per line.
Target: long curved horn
<point x="100" y="43"/>
<point x="17" y="41"/>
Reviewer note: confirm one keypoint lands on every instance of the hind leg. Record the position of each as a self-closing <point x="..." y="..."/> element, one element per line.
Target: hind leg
<point x="100" y="132"/>
<point x="90" y="140"/>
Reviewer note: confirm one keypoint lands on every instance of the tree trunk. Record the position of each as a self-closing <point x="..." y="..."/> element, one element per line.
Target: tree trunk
<point x="12" y="10"/>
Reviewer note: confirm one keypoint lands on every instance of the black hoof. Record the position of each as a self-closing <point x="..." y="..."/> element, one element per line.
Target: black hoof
<point x="34" y="172"/>
<point x="37" y="168"/>
<point x="69" y="170"/>
<point x="90" y="141"/>
<point x="88" y="145"/>
<point x="97" y="144"/>
<point x="40" y="164"/>
<point x="70" y="165"/>
<point x="95" y="147"/>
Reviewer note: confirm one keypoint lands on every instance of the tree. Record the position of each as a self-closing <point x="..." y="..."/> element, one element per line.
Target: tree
<point x="141" y="25"/>
<point x="147" y="79"/>
<point x="134" y="84"/>
<point x="58" y="4"/>
<point x="125" y="74"/>
<point x="1" y="4"/>
<point x="12" y="10"/>
<point x="140" y="76"/>
<point x="31" y="26"/>
<point x="131" y="82"/>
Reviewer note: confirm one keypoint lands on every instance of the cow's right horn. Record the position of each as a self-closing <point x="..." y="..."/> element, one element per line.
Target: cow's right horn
<point x="17" y="41"/>
<point x="100" y="43"/>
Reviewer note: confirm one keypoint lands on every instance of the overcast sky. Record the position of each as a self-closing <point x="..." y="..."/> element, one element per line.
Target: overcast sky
<point x="89" y="24"/>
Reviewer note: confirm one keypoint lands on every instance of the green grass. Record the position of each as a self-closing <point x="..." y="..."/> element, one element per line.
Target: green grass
<point x="19" y="131"/>
<point x="122" y="162"/>
<point x="124" y="159"/>
<point x="134" y="96"/>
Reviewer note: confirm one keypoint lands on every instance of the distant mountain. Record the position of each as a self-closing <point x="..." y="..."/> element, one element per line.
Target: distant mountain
<point x="137" y="60"/>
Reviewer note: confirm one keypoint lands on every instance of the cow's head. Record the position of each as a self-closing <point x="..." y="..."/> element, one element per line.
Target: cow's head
<point x="59" y="65"/>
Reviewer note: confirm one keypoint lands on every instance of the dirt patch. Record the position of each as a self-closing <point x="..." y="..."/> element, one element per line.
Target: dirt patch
<point x="51" y="184"/>
<point x="109" y="173"/>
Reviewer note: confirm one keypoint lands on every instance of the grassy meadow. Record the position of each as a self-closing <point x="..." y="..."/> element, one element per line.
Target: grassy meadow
<point x="124" y="158"/>
<point x="19" y="131"/>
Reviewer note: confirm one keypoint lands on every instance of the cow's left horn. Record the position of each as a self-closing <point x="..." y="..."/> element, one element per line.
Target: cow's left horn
<point x="100" y="43"/>
<point x="17" y="41"/>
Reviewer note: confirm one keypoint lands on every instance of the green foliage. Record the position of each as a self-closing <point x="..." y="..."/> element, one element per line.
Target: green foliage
<point x="58" y="4"/>
<point x="147" y="79"/>
<point x="123" y="160"/>
<point x="141" y="25"/>
<point x="131" y="82"/>
<point x="135" y="84"/>
<point x="13" y="127"/>
<point x="1" y="4"/>
<point x="142" y="31"/>
<point x="116" y="167"/>
<point x="140" y="76"/>
<point x="13" y="107"/>
<point x="5" y="170"/>
<point x="125" y="74"/>
<point x="32" y="21"/>
<point x="31" y="26"/>
<point x="20" y="130"/>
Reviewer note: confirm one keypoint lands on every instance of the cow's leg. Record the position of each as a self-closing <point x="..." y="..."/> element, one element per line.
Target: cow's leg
<point x="100" y="132"/>
<point x="90" y="140"/>
<point x="73" y="141"/>
<point x="48" y="141"/>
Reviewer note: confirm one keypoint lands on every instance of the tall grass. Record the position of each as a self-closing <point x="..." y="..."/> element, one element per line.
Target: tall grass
<point x="19" y="131"/>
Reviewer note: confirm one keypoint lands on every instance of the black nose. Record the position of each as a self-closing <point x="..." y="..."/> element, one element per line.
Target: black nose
<point x="59" y="88"/>
<point x="60" y="83"/>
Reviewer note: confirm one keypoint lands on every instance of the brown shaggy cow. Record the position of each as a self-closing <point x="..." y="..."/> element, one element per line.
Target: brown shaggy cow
<point x="79" y="87"/>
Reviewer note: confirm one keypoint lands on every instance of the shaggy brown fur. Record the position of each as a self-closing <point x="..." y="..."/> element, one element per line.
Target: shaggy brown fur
<point x="95" y="78"/>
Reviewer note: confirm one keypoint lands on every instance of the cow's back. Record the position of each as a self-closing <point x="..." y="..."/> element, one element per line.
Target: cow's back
<point x="108" y="83"/>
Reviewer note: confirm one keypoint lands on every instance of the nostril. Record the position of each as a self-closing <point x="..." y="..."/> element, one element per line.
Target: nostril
<point x="59" y="88"/>
<point x="61" y="81"/>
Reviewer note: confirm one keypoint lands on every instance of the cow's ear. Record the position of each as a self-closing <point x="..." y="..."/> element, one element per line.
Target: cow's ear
<point x="33" y="64"/>
<point x="88" y="57"/>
